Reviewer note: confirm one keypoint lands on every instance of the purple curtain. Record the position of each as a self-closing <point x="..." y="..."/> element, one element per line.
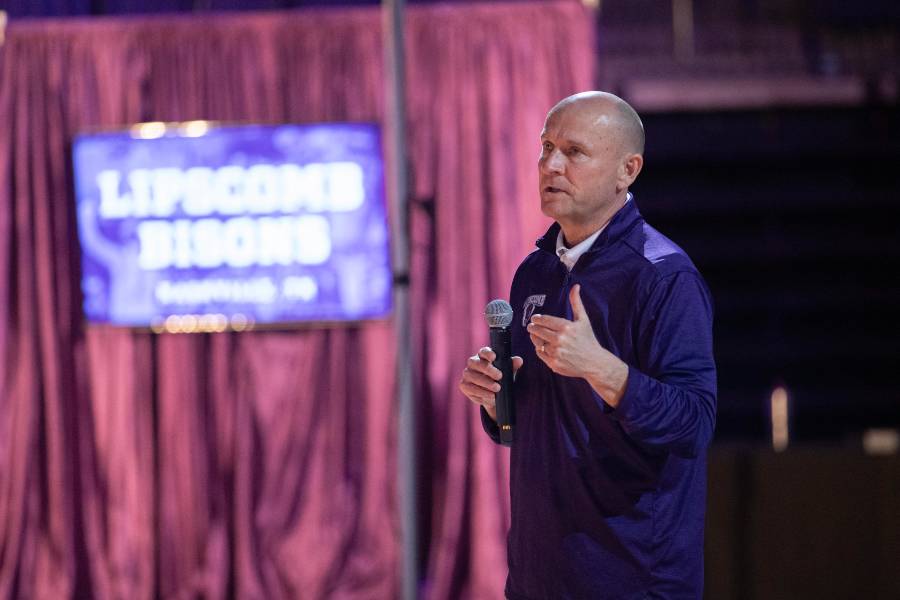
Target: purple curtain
<point x="261" y="464"/>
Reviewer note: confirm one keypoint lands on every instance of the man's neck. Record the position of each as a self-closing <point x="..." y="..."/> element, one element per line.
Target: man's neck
<point x="574" y="234"/>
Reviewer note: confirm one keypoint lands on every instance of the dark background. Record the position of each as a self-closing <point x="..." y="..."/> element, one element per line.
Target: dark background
<point x="792" y="215"/>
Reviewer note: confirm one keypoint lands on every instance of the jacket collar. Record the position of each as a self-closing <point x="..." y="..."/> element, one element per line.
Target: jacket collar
<point x="619" y="226"/>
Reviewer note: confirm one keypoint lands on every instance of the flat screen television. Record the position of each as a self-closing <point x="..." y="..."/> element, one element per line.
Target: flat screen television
<point x="196" y="227"/>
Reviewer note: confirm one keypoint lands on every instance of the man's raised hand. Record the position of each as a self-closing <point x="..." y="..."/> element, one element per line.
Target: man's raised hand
<point x="570" y="348"/>
<point x="567" y="347"/>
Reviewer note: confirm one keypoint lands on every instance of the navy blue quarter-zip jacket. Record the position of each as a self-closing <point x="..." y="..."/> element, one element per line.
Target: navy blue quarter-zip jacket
<point x="610" y="503"/>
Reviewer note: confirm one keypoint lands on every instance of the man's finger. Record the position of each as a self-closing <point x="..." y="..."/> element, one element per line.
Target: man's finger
<point x="517" y="363"/>
<point x="547" y="335"/>
<point x="545" y="358"/>
<point x="487" y="354"/>
<point x="480" y="379"/>
<point x="478" y="394"/>
<point x="578" y="311"/>
<point x="550" y="322"/>
<point x="544" y="344"/>
<point x="482" y="365"/>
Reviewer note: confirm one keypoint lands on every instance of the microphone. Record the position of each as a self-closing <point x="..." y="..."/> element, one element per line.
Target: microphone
<point x="499" y="315"/>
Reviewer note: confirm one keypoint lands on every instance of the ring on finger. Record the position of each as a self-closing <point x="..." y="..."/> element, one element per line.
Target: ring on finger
<point x="543" y="348"/>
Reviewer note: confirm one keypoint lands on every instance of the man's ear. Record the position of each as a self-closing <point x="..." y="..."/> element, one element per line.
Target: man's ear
<point x="629" y="169"/>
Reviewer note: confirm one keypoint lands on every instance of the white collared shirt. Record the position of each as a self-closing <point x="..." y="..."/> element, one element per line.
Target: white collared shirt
<point x="570" y="256"/>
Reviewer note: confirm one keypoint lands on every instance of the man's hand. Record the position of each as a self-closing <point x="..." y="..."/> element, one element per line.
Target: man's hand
<point x="480" y="379"/>
<point x="570" y="348"/>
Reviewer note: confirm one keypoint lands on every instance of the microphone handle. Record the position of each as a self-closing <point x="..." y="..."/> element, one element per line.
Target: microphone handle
<point x="506" y="408"/>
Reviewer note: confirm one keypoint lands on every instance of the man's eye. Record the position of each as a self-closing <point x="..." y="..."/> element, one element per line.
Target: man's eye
<point x="547" y="146"/>
<point x="574" y="151"/>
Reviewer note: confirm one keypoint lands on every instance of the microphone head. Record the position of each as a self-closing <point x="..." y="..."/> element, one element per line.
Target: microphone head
<point x="498" y="313"/>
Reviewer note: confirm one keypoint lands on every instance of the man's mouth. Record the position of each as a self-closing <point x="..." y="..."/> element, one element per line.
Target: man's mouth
<point x="553" y="190"/>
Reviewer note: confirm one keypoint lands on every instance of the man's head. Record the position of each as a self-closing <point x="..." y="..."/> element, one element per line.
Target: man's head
<point x="592" y="151"/>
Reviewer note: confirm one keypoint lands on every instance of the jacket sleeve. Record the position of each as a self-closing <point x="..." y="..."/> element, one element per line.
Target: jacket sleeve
<point x="490" y="426"/>
<point x="670" y="398"/>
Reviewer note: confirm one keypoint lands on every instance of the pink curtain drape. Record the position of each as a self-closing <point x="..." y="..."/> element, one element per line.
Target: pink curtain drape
<point x="261" y="464"/>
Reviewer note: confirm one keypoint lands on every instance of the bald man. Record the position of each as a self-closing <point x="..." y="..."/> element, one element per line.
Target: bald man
<point x="615" y="383"/>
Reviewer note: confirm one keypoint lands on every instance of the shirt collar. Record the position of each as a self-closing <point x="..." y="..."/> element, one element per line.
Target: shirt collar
<point x="570" y="256"/>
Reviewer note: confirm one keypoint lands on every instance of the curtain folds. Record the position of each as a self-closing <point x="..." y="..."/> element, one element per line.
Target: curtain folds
<point x="261" y="464"/>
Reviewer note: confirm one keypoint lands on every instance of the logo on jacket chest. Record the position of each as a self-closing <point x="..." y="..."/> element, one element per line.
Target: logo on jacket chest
<point x="531" y="302"/>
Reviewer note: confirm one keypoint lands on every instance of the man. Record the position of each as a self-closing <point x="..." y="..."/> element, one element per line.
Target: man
<point x="615" y="379"/>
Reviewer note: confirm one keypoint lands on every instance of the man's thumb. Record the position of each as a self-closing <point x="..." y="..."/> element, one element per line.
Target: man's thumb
<point x="517" y="363"/>
<point x="578" y="310"/>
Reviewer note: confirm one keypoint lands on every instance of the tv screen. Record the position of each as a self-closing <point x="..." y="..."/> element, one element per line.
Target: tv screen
<point x="197" y="227"/>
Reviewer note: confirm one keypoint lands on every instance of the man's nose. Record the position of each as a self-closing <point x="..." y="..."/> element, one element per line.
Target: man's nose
<point x="553" y="162"/>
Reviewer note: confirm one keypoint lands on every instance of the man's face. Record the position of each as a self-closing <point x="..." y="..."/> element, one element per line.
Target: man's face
<point x="579" y="167"/>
